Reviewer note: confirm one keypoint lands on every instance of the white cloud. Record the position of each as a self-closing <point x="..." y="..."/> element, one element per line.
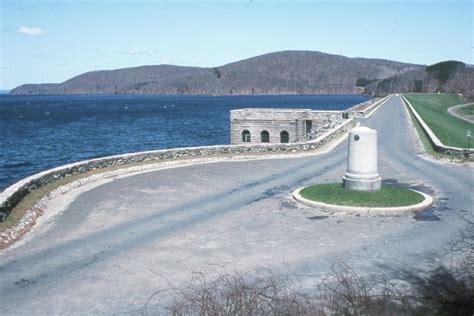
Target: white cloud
<point x="31" y="30"/>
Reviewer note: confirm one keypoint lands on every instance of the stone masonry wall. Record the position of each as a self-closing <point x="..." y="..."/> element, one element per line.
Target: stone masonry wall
<point x="274" y="121"/>
<point x="272" y="126"/>
<point x="15" y="193"/>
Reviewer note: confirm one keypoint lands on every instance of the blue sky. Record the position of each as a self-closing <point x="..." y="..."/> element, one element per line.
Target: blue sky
<point x="52" y="41"/>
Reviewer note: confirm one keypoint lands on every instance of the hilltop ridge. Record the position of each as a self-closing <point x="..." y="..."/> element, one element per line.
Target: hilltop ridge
<point x="284" y="72"/>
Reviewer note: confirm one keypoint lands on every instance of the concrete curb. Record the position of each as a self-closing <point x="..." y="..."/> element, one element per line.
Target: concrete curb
<point x="428" y="201"/>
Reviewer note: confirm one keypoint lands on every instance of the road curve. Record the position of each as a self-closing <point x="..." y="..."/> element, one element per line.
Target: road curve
<point x="114" y="246"/>
<point x="453" y="111"/>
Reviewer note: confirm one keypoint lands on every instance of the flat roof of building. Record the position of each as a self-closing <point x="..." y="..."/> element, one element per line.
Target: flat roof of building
<point x="272" y="110"/>
<point x="276" y="113"/>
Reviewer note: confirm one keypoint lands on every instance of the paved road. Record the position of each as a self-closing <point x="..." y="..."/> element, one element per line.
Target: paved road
<point x="117" y="244"/>
<point x="454" y="111"/>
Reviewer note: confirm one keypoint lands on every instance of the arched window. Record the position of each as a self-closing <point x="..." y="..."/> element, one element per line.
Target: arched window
<point x="284" y="137"/>
<point x="265" y="137"/>
<point x="246" y="136"/>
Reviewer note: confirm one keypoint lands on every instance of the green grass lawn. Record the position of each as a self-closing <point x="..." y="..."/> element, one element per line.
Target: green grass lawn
<point x="335" y="193"/>
<point x="433" y="109"/>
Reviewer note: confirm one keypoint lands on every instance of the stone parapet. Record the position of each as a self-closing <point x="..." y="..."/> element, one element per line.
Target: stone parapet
<point x="367" y="108"/>
<point x="18" y="191"/>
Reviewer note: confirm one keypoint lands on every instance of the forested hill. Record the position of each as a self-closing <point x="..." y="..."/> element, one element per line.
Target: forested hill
<point x="448" y="76"/>
<point x="286" y="72"/>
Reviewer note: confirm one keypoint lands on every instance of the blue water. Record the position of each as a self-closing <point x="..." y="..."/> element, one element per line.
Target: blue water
<point x="40" y="132"/>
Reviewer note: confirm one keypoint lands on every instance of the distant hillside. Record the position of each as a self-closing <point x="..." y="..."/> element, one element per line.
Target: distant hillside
<point x="449" y="76"/>
<point x="286" y="72"/>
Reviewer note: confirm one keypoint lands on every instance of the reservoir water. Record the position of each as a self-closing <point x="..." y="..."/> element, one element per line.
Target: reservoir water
<point x="41" y="132"/>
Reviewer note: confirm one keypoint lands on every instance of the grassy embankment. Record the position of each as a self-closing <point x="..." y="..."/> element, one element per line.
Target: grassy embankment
<point x="433" y="109"/>
<point x="32" y="198"/>
<point x="387" y="196"/>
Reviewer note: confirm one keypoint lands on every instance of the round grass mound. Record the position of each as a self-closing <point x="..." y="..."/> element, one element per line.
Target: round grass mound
<point x="387" y="196"/>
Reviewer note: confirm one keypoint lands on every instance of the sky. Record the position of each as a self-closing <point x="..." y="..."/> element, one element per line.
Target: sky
<point x="45" y="41"/>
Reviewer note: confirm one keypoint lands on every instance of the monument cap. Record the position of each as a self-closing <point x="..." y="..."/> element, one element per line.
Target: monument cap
<point x="362" y="129"/>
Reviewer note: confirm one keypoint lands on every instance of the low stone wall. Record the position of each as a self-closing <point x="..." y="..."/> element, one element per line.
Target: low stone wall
<point x="366" y="108"/>
<point x="434" y="140"/>
<point x="17" y="192"/>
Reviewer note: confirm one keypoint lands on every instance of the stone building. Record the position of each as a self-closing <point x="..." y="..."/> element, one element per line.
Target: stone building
<point x="261" y="125"/>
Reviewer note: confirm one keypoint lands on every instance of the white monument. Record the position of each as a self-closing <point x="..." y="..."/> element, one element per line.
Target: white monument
<point x="362" y="171"/>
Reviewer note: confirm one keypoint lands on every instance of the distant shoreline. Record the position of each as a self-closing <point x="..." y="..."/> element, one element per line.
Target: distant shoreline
<point x="275" y="74"/>
<point x="185" y="95"/>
